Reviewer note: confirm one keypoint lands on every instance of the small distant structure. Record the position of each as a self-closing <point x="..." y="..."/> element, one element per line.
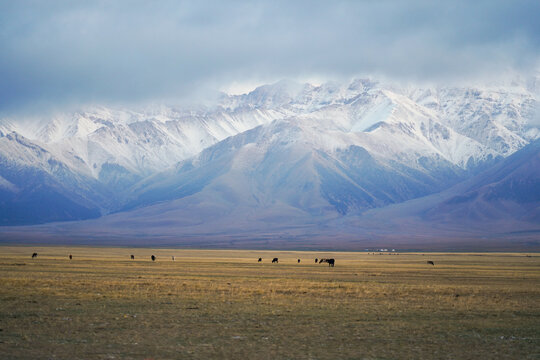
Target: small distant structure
<point x="153" y="258"/>
<point x="34" y="255"/>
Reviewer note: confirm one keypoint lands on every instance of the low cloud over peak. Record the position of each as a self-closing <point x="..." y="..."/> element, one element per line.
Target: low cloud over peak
<point x="62" y="52"/>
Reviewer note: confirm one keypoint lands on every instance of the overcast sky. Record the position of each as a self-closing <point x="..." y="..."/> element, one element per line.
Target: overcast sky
<point x="64" y="52"/>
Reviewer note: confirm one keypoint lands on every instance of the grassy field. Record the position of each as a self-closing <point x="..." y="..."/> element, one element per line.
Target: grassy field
<point x="225" y="305"/>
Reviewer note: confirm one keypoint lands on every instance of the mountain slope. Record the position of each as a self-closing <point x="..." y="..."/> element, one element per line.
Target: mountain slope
<point x="293" y="161"/>
<point x="498" y="209"/>
<point x="510" y="190"/>
<point x="495" y="117"/>
<point x="325" y="151"/>
<point x="37" y="187"/>
<point x="140" y="142"/>
<point x="218" y="219"/>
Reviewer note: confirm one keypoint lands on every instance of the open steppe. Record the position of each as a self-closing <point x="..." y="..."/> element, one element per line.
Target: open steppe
<point x="224" y="304"/>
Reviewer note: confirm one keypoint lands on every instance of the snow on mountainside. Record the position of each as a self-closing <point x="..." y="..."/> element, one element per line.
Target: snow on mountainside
<point x="497" y="118"/>
<point x="226" y="214"/>
<point x="395" y="127"/>
<point x="499" y="208"/>
<point x="509" y="190"/>
<point x="291" y="162"/>
<point x="141" y="142"/>
<point x="153" y="139"/>
<point x="376" y="150"/>
<point x="35" y="186"/>
<point x="347" y="147"/>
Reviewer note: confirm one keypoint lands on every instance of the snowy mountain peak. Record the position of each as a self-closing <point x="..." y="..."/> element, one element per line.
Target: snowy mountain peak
<point x="328" y="143"/>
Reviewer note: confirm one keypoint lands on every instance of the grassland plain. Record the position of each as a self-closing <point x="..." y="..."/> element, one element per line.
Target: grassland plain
<point x="226" y="305"/>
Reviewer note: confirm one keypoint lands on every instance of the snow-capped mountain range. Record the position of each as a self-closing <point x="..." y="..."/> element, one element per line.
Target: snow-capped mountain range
<point x="285" y="153"/>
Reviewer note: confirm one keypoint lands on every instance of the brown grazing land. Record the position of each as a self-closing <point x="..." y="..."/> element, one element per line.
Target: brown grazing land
<point x="227" y="305"/>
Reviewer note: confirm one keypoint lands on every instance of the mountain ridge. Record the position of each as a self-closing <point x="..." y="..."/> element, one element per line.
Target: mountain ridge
<point x="298" y="155"/>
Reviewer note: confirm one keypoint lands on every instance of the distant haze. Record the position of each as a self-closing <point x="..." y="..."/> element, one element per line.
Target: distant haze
<point x="68" y="52"/>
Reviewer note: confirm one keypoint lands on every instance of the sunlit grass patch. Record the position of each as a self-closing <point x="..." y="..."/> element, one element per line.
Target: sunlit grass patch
<point x="224" y="304"/>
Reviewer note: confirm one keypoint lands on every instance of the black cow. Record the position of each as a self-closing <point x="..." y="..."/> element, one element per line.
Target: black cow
<point x="299" y="261"/>
<point x="70" y="256"/>
<point x="260" y="259"/>
<point x="153" y="258"/>
<point x="316" y="260"/>
<point x="322" y="260"/>
<point x="330" y="262"/>
<point x="431" y="263"/>
<point x="275" y="260"/>
<point x="34" y="255"/>
<point x="132" y="257"/>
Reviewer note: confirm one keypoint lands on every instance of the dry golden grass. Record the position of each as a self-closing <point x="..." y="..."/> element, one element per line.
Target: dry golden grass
<point x="223" y="304"/>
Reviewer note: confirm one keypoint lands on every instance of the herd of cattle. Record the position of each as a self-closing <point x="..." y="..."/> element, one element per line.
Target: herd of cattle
<point x="330" y="262"/>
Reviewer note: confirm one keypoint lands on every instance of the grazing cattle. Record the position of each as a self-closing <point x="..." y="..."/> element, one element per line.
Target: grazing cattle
<point x="322" y="260"/>
<point x="299" y="261"/>
<point x="34" y="255"/>
<point x="173" y="258"/>
<point x="153" y="258"/>
<point x="431" y="263"/>
<point x="316" y="260"/>
<point x="132" y="257"/>
<point x="70" y="256"/>
<point x="274" y="260"/>
<point x="260" y="259"/>
<point x="330" y="262"/>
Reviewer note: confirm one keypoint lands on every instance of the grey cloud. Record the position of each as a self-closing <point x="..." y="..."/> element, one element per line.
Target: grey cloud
<point x="66" y="51"/>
